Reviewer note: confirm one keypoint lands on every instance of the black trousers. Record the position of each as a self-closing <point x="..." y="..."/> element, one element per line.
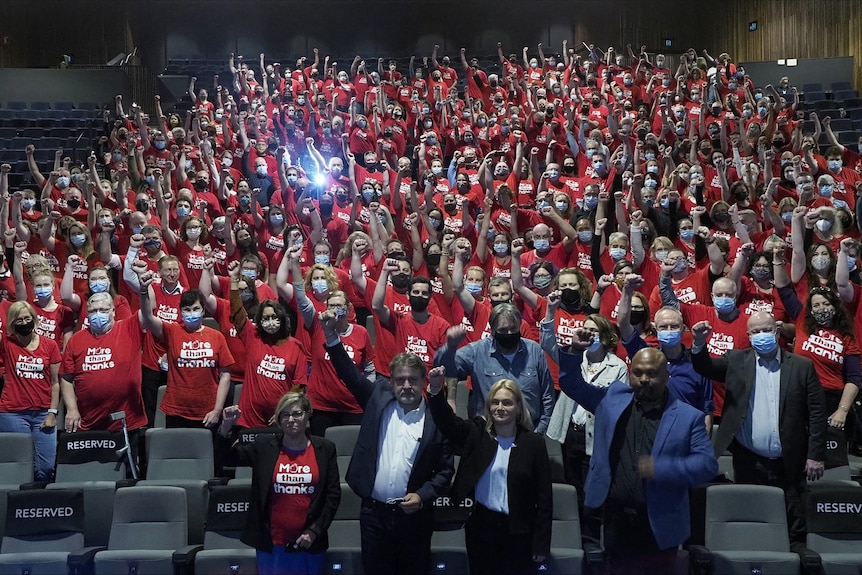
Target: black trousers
<point x="394" y="543"/>
<point x="491" y="547"/>
<point x="630" y="545"/>
<point x="753" y="469"/>
<point x="151" y="380"/>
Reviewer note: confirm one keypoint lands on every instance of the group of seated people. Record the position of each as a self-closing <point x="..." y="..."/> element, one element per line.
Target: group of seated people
<point x="594" y="210"/>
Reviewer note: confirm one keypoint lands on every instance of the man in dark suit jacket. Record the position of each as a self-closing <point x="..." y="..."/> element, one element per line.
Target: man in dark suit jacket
<point x="648" y="450"/>
<point x="779" y="437"/>
<point x="396" y="519"/>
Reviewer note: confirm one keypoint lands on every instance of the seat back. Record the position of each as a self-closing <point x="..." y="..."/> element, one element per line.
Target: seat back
<point x="98" y="508"/>
<point x="566" y="523"/>
<point x="40" y="521"/>
<point x="226" y="515"/>
<point x="151" y="517"/>
<point x="16" y="459"/>
<point x="350" y="505"/>
<point x="344" y="438"/>
<point x="555" y="455"/>
<point x="834" y="517"/>
<point x="179" y="454"/>
<point x="90" y="456"/>
<point x="159" y="420"/>
<point x="746" y="518"/>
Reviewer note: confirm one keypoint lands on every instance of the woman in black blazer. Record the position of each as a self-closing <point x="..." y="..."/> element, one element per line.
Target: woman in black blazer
<point x="505" y="467"/>
<point x="295" y="489"/>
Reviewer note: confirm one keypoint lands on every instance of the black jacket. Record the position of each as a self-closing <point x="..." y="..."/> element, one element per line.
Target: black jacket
<point x="529" y="474"/>
<point x="262" y="456"/>
<point x="801" y="411"/>
<point x="433" y="467"/>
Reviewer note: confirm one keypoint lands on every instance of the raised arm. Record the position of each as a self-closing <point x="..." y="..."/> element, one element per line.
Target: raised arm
<point x="529" y="297"/>
<point x="150" y="322"/>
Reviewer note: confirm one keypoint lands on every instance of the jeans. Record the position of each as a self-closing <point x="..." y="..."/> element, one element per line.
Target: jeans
<point x="281" y="562"/>
<point x="44" y="440"/>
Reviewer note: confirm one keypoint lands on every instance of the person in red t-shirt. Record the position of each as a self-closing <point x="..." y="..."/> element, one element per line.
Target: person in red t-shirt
<point x="31" y="393"/>
<point x="198" y="359"/>
<point x="297" y="488"/>
<point x="101" y="370"/>
<point x="274" y="362"/>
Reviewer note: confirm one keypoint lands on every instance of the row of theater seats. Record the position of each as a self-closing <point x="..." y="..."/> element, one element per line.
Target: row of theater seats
<point x="744" y="531"/>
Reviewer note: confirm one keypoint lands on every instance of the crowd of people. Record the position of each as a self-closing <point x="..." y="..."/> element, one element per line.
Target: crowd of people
<point x="595" y="222"/>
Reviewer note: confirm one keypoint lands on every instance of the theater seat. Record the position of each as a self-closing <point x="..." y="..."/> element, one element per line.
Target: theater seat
<point x="16" y="467"/>
<point x="746" y="532"/>
<point x="223" y="552"/>
<point x="344" y="438"/>
<point x="834" y="522"/>
<point x="90" y="456"/>
<point x="42" y="529"/>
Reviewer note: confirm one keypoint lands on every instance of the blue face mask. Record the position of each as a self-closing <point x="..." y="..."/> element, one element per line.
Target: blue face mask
<point x="561" y="206"/>
<point x="368" y="195"/>
<point x="541" y="245"/>
<point x="291" y="180"/>
<point x="595" y="345"/>
<point x="63" y="182"/>
<point x="501" y="249"/>
<point x="99" y="286"/>
<point x="851" y="263"/>
<point x="724" y="304"/>
<point x="435" y="223"/>
<point x="276" y="219"/>
<point x="834" y="165"/>
<point x="591" y="201"/>
<point x="825" y="191"/>
<point x="474" y="289"/>
<point x="665" y="203"/>
<point x="160" y="144"/>
<point x="151" y="180"/>
<point x="250" y="275"/>
<point x="183" y="212"/>
<point x="99" y="320"/>
<point x="687" y="235"/>
<point x="245" y="200"/>
<point x="192" y="319"/>
<point x="340" y="312"/>
<point x="669" y="337"/>
<point x="585" y="236"/>
<point x="763" y="342"/>
<point x="319" y="286"/>
<point x="553" y="174"/>
<point x="43" y="292"/>
<point x="78" y="240"/>
<point x="786" y="216"/>
<point x="617" y="253"/>
<point x="680" y="267"/>
<point x="260" y="171"/>
<point x="652" y="169"/>
<point x="838" y="204"/>
<point x="599" y="166"/>
<point x="28" y="204"/>
<point x="321" y="259"/>
<point x="649" y="156"/>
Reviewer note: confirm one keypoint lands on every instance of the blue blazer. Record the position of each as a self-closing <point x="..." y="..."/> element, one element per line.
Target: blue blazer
<point x="682" y="453"/>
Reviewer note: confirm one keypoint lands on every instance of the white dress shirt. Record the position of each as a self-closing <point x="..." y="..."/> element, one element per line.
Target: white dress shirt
<point x="492" y="489"/>
<point x="398" y="444"/>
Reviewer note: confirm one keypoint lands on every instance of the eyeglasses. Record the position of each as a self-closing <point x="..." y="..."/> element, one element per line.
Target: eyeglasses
<point x="291" y="415"/>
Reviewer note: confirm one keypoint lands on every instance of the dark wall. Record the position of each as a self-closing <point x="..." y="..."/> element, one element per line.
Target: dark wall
<point x="822" y="70"/>
<point x="99" y="86"/>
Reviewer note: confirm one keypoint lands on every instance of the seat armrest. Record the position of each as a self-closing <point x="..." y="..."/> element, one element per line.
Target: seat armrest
<point x="700" y="559"/>
<point x="594" y="554"/>
<point x="217" y="481"/>
<point x="127" y="483"/>
<point x="33" y="485"/>
<point x="184" y="559"/>
<point x="812" y="564"/>
<point x="81" y="561"/>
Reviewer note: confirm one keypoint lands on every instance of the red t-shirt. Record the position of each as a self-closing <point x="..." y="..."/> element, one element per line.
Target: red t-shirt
<point x="565" y="324"/>
<point x="423" y="339"/>
<point x="270" y="372"/>
<point x="195" y="360"/>
<point x="693" y="289"/>
<point x="192" y="262"/>
<point x="28" y="374"/>
<point x="53" y="324"/>
<point x="166" y="307"/>
<point x="106" y="372"/>
<point x="827" y="349"/>
<point x="234" y="343"/>
<point x="295" y="478"/>
<point x="752" y="300"/>
<point x="325" y="389"/>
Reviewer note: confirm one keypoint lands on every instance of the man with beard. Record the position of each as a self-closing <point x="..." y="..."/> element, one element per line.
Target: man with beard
<point x="648" y="450"/>
<point x="504" y="355"/>
<point x="400" y="464"/>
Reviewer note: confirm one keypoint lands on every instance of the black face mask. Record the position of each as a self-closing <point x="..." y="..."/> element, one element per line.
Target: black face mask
<point x="496" y="302"/>
<point x="637" y="317"/>
<point x="74" y="203"/>
<point x="326" y="210"/>
<point x="400" y="281"/>
<point x="507" y="340"/>
<point x="570" y="297"/>
<point x="433" y="260"/>
<point x="142" y="206"/>
<point x="419" y="303"/>
<point x="25" y="329"/>
<point x="201" y="185"/>
<point x="396" y="255"/>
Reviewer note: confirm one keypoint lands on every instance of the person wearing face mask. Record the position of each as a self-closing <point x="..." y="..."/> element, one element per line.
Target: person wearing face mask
<point x="778" y="447"/>
<point x="816" y="266"/>
<point x="188" y="244"/>
<point x="690" y="286"/>
<point x="197" y="387"/>
<point x="90" y="395"/>
<point x="415" y="330"/>
<point x="261" y="177"/>
<point x="275" y="363"/>
<point x="506" y="354"/>
<point x="29" y="404"/>
<point x="752" y="271"/>
<point x="97" y="281"/>
<point x="55" y="320"/>
<point x="273" y="233"/>
<point x="649" y="449"/>
<point x="730" y="330"/>
<point x="337" y="406"/>
<point x="671" y="337"/>
<point x="609" y="288"/>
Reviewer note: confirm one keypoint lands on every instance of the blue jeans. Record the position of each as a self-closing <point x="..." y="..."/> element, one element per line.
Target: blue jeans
<point x="281" y="562"/>
<point x="44" y="440"/>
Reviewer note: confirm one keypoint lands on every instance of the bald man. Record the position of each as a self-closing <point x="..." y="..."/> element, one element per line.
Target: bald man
<point x="778" y="437"/>
<point x="648" y="450"/>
